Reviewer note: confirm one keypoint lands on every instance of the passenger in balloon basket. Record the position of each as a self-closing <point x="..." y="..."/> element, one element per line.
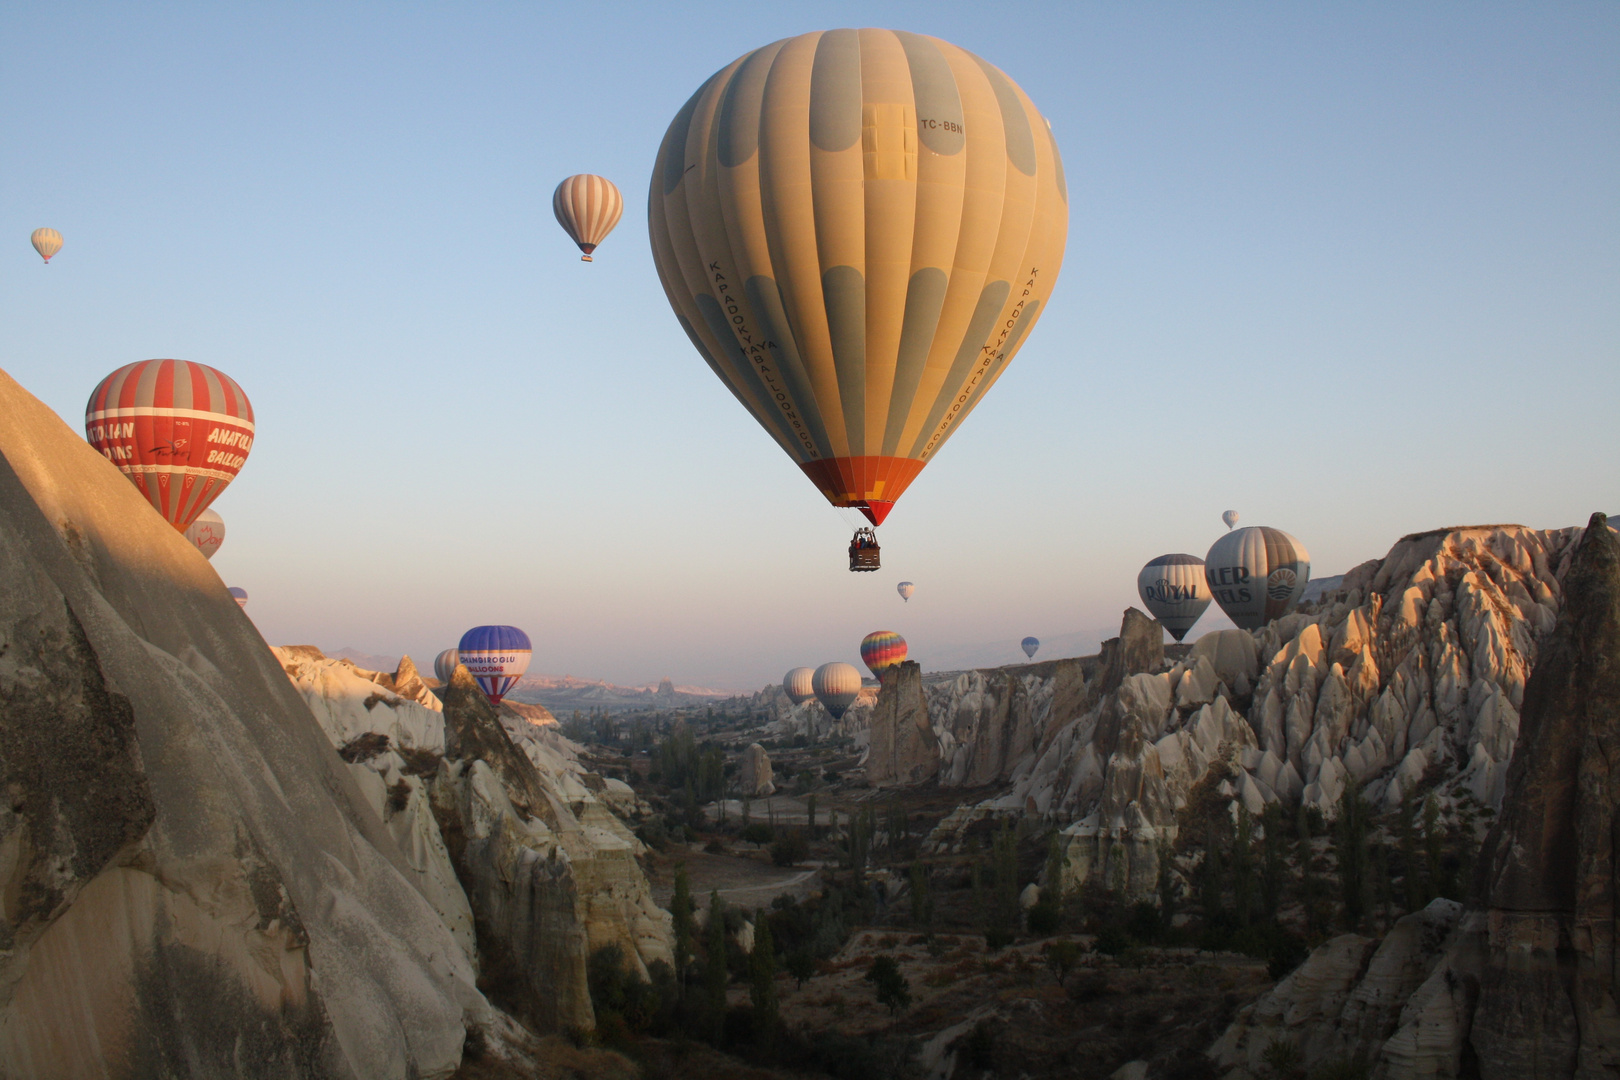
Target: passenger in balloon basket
<point x="863" y="550"/>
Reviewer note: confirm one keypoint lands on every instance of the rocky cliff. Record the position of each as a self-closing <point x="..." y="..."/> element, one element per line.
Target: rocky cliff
<point x="1524" y="987"/>
<point x="194" y="883"/>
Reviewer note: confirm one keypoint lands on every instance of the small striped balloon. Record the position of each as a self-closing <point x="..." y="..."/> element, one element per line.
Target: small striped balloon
<point x="444" y="665"/>
<point x="179" y="431"/>
<point x="837" y="685"/>
<point x="882" y="650"/>
<point x="797" y="685"/>
<point x="47" y="242"/>
<point x="238" y="594"/>
<point x="587" y="207"/>
<point x="1031" y="646"/>
<point x="496" y="656"/>
<point x="905" y="589"/>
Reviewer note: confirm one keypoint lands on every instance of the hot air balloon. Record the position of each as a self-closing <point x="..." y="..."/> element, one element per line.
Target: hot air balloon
<point x="1030" y="646"/>
<point x="1230" y="517"/>
<point x="882" y="650"/>
<point x="587" y="207"/>
<point x="179" y="431"/>
<point x="857" y="230"/>
<point x="207" y="532"/>
<point x="238" y="594"/>
<point x="836" y="686"/>
<point x="1174" y="590"/>
<point x="47" y="242"/>
<point x="1257" y="574"/>
<point x="797" y="683"/>
<point x="905" y="589"/>
<point x="444" y="665"/>
<point x="496" y="656"/>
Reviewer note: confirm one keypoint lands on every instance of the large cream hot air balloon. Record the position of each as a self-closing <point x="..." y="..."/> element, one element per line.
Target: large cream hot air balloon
<point x="1257" y="574"/>
<point x="587" y="207"/>
<point x="857" y="229"/>
<point x="796" y="684"/>
<point x="47" y="242"/>
<point x="836" y="686"/>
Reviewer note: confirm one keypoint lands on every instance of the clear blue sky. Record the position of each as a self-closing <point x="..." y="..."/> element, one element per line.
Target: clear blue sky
<point x="1349" y="269"/>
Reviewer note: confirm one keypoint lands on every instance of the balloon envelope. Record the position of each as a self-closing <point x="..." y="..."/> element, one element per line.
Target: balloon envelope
<point x="882" y="650"/>
<point x="836" y="686"/>
<point x="1175" y="592"/>
<point x="797" y="684"/>
<point x="1257" y="574"/>
<point x="587" y="207"/>
<point x="179" y="431"/>
<point x="1230" y="517"/>
<point x="1030" y="645"/>
<point x="496" y="656"/>
<point x="207" y="532"/>
<point x="238" y="594"/>
<point x="857" y="230"/>
<point x="905" y="589"/>
<point x="444" y="665"/>
<point x="47" y="242"/>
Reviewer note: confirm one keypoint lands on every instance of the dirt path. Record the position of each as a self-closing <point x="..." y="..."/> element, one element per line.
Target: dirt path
<point x="744" y="881"/>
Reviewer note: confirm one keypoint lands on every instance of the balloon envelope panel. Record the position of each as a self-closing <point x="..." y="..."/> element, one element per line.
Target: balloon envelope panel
<point x="836" y="686"/>
<point x="180" y="432"/>
<point x="882" y="650"/>
<point x="207" y="533"/>
<point x="1175" y="592"/>
<point x="797" y="685"/>
<point x="587" y="207"/>
<point x="857" y="230"/>
<point x="444" y="665"/>
<point x="496" y="656"/>
<point x="1257" y="574"/>
<point x="1030" y="645"/>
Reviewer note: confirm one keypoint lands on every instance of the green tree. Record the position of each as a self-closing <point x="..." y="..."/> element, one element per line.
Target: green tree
<point x="715" y="975"/>
<point x="1434" y="846"/>
<point x="1061" y="957"/>
<point x="762" y="973"/>
<point x="893" y="989"/>
<point x="681" y="911"/>
<point x="1350" y="852"/>
<point x="810" y="813"/>
<point x="1414" y="887"/>
<point x="1241" y="863"/>
<point x="922" y="901"/>
<point x="1273" y="858"/>
<point x="801" y="964"/>
<point x="758" y="833"/>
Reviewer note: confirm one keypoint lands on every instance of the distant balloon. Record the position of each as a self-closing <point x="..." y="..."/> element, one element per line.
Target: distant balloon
<point x="1030" y="646"/>
<point x="47" y="242"/>
<point x="882" y="650"/>
<point x="1175" y="592"/>
<point x="836" y="686"/>
<point x="905" y="589"/>
<point x="496" y="656"/>
<point x="179" y="431"/>
<point x="587" y="207"/>
<point x="444" y="665"/>
<point x="207" y="532"/>
<point x="239" y="594"/>
<point x="1257" y="574"/>
<point x="1230" y="517"/>
<point x="798" y="685"/>
<point x="857" y="229"/>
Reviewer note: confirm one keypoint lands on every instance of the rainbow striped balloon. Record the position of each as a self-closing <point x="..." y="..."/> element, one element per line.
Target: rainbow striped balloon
<point x="882" y="650"/>
<point x="496" y="656"/>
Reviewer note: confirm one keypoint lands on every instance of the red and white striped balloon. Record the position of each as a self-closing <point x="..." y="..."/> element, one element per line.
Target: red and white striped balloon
<point x="587" y="207"/>
<point x="179" y="431"/>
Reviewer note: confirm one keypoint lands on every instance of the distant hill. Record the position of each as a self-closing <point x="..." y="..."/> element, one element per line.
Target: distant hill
<point x="564" y="693"/>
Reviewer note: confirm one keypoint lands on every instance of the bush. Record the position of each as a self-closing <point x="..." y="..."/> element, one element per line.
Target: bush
<point x="1112" y="941"/>
<point x="997" y="938"/>
<point x="893" y="989"/>
<point x="757" y="833"/>
<point x="1045" y="919"/>
<point x="790" y="848"/>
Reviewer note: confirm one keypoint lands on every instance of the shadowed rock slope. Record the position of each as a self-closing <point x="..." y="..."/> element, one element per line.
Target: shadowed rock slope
<point x="194" y="884"/>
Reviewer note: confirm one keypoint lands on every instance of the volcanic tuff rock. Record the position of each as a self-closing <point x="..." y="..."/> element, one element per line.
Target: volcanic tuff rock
<point x="194" y="880"/>
<point x="754" y="773"/>
<point x="518" y="846"/>
<point x="903" y="748"/>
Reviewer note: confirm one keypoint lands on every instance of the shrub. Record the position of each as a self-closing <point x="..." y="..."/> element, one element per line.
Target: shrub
<point x="1045" y="919"/>
<point x="790" y="848"/>
<point x="893" y="989"/>
<point x="757" y="833"/>
<point x="997" y="938"/>
<point x="1112" y="941"/>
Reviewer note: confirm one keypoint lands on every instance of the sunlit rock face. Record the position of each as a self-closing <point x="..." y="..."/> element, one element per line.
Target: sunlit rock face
<point x="520" y="849"/>
<point x="754" y="777"/>
<point x="194" y="880"/>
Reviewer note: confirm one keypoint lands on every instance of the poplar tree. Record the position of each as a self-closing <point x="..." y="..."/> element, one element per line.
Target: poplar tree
<point x="681" y="909"/>
<point x="714" y="964"/>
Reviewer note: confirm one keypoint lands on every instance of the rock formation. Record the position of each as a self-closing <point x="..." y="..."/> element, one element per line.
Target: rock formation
<point x="903" y="748"/>
<point x="193" y="878"/>
<point x="754" y="773"/>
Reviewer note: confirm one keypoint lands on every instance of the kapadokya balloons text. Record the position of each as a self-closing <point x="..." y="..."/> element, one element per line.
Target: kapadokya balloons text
<point x="1230" y="517"/>
<point x="496" y="656"/>
<point x="857" y="229"/>
<point x="444" y="665"/>
<point x="47" y="242"/>
<point x="587" y="207"/>
<point x="238" y="594"/>
<point x="836" y="686"/>
<point x="905" y="589"/>
<point x="882" y="650"/>
<point x="1257" y="574"/>
<point x="179" y="431"/>
<point x="1030" y="645"/>
<point x="207" y="532"/>
<point x="797" y="685"/>
<point x="1175" y="592"/>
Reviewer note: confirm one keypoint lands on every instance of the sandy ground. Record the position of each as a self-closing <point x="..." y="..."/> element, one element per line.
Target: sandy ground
<point x="749" y="882"/>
